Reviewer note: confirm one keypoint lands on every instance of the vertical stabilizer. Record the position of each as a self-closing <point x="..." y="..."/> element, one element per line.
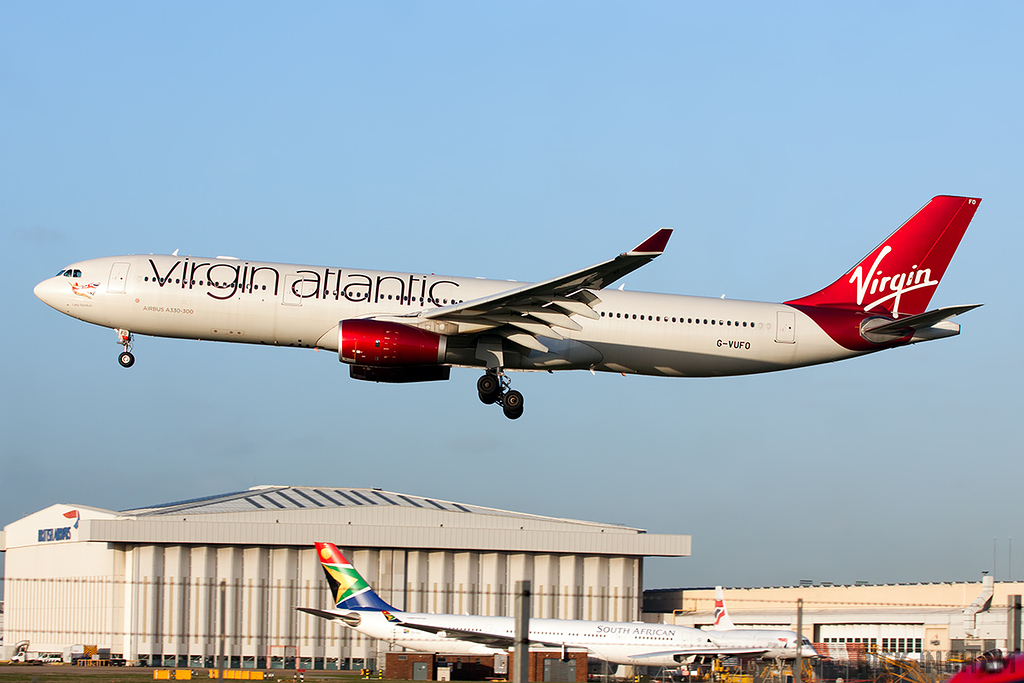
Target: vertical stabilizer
<point x="722" y="620"/>
<point x="349" y="590"/>
<point x="901" y="274"/>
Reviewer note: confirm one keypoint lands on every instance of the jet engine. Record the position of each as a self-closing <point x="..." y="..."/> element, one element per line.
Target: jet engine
<point x="383" y="351"/>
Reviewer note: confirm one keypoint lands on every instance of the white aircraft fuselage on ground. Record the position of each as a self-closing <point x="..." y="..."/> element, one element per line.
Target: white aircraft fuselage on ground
<point x="405" y="327"/>
<point x="777" y="643"/>
<point x="360" y="608"/>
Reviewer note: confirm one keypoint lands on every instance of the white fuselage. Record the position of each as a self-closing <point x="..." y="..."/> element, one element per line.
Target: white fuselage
<point x="778" y="644"/>
<point x="617" y="642"/>
<point x="223" y="299"/>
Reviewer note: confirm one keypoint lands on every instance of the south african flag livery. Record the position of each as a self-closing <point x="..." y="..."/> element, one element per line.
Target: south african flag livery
<point x="349" y="589"/>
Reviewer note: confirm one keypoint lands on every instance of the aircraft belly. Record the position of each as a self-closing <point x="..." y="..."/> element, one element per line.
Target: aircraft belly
<point x="711" y="352"/>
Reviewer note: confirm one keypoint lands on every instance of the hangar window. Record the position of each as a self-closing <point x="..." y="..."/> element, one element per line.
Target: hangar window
<point x="461" y="507"/>
<point x="384" y="498"/>
<point x="435" y="504"/>
<point x="335" y="502"/>
<point x="368" y="500"/>
<point x="255" y="503"/>
<point x="271" y="500"/>
<point x="293" y="502"/>
<point x="308" y="497"/>
<point x="348" y="497"/>
<point x="409" y="500"/>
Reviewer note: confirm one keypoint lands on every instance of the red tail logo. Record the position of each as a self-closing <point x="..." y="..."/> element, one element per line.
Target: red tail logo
<point x="900" y="275"/>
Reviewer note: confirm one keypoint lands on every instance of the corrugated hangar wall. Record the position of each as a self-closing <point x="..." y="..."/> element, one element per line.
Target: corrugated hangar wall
<point x="101" y="583"/>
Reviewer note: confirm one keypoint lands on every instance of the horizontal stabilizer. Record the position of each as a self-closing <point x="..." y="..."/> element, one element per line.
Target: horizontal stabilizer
<point x="348" y="619"/>
<point x="914" y="323"/>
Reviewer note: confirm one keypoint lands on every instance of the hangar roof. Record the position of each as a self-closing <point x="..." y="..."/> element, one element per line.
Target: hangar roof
<point x="315" y="497"/>
<point x="294" y="516"/>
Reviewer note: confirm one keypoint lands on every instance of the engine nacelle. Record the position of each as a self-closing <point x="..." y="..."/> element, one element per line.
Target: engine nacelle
<point x="379" y="343"/>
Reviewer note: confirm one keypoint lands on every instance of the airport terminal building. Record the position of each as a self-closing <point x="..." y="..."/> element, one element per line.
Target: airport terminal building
<point x="846" y="622"/>
<point x="148" y="584"/>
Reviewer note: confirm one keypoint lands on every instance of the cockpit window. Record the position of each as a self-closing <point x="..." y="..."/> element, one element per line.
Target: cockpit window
<point x="77" y="273"/>
<point x="69" y="273"/>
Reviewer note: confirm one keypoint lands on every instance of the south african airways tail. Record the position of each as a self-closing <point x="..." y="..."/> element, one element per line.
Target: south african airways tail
<point x="348" y="589"/>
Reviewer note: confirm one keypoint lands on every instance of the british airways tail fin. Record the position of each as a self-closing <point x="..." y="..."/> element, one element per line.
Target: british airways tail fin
<point x="349" y="590"/>
<point x="722" y="620"/>
<point x="900" y="275"/>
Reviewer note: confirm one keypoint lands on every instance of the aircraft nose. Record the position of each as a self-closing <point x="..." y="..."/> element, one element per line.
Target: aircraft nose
<point x="45" y="292"/>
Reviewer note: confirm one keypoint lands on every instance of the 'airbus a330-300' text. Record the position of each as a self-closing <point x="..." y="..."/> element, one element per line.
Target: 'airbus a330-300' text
<point x="413" y="327"/>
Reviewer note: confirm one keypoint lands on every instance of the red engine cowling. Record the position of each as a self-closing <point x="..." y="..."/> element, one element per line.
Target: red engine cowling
<point x="385" y="344"/>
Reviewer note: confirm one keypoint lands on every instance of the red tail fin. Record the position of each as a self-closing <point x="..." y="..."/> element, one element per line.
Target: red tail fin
<point x="900" y="275"/>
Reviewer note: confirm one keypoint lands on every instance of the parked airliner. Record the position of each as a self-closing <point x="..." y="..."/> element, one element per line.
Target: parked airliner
<point x="359" y="607"/>
<point x="413" y="327"/>
<point x="778" y="643"/>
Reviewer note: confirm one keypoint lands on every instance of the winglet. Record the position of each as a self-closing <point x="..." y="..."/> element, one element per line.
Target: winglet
<point x="655" y="244"/>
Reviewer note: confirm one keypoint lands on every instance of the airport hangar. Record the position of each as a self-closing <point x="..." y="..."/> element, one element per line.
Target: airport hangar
<point x="146" y="583"/>
<point x="846" y="621"/>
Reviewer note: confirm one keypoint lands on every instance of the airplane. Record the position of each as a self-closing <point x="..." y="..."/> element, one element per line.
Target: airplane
<point x="412" y="327"/>
<point x="778" y="644"/>
<point x="359" y="607"/>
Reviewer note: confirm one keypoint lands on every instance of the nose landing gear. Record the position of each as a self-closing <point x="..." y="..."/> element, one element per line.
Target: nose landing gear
<point x="124" y="338"/>
<point x="493" y="387"/>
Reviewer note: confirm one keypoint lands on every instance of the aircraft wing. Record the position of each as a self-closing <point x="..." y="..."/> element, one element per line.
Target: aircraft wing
<point x="495" y="640"/>
<point x="536" y="310"/>
<point x="707" y="651"/>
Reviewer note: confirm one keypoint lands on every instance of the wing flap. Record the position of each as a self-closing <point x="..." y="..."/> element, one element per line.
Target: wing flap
<point x="552" y="302"/>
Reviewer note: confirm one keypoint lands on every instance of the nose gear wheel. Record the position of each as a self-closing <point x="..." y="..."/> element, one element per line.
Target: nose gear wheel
<point x="126" y="358"/>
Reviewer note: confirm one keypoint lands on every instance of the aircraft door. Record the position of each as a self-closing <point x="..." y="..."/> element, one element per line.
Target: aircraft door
<point x="290" y="296"/>
<point x="785" y="327"/>
<point x="118" y="278"/>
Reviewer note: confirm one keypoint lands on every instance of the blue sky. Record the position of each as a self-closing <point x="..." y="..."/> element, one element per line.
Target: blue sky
<point x="525" y="140"/>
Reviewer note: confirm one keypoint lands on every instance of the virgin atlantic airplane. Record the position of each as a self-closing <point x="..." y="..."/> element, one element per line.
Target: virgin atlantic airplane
<point x="413" y="327"/>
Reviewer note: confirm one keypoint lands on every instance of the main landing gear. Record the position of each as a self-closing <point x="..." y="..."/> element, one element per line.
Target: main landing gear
<point x="124" y="338"/>
<point x="493" y="387"/>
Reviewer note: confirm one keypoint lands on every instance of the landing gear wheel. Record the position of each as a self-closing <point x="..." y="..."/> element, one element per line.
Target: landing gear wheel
<point x="489" y="388"/>
<point x="126" y="359"/>
<point x="512" y="405"/>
